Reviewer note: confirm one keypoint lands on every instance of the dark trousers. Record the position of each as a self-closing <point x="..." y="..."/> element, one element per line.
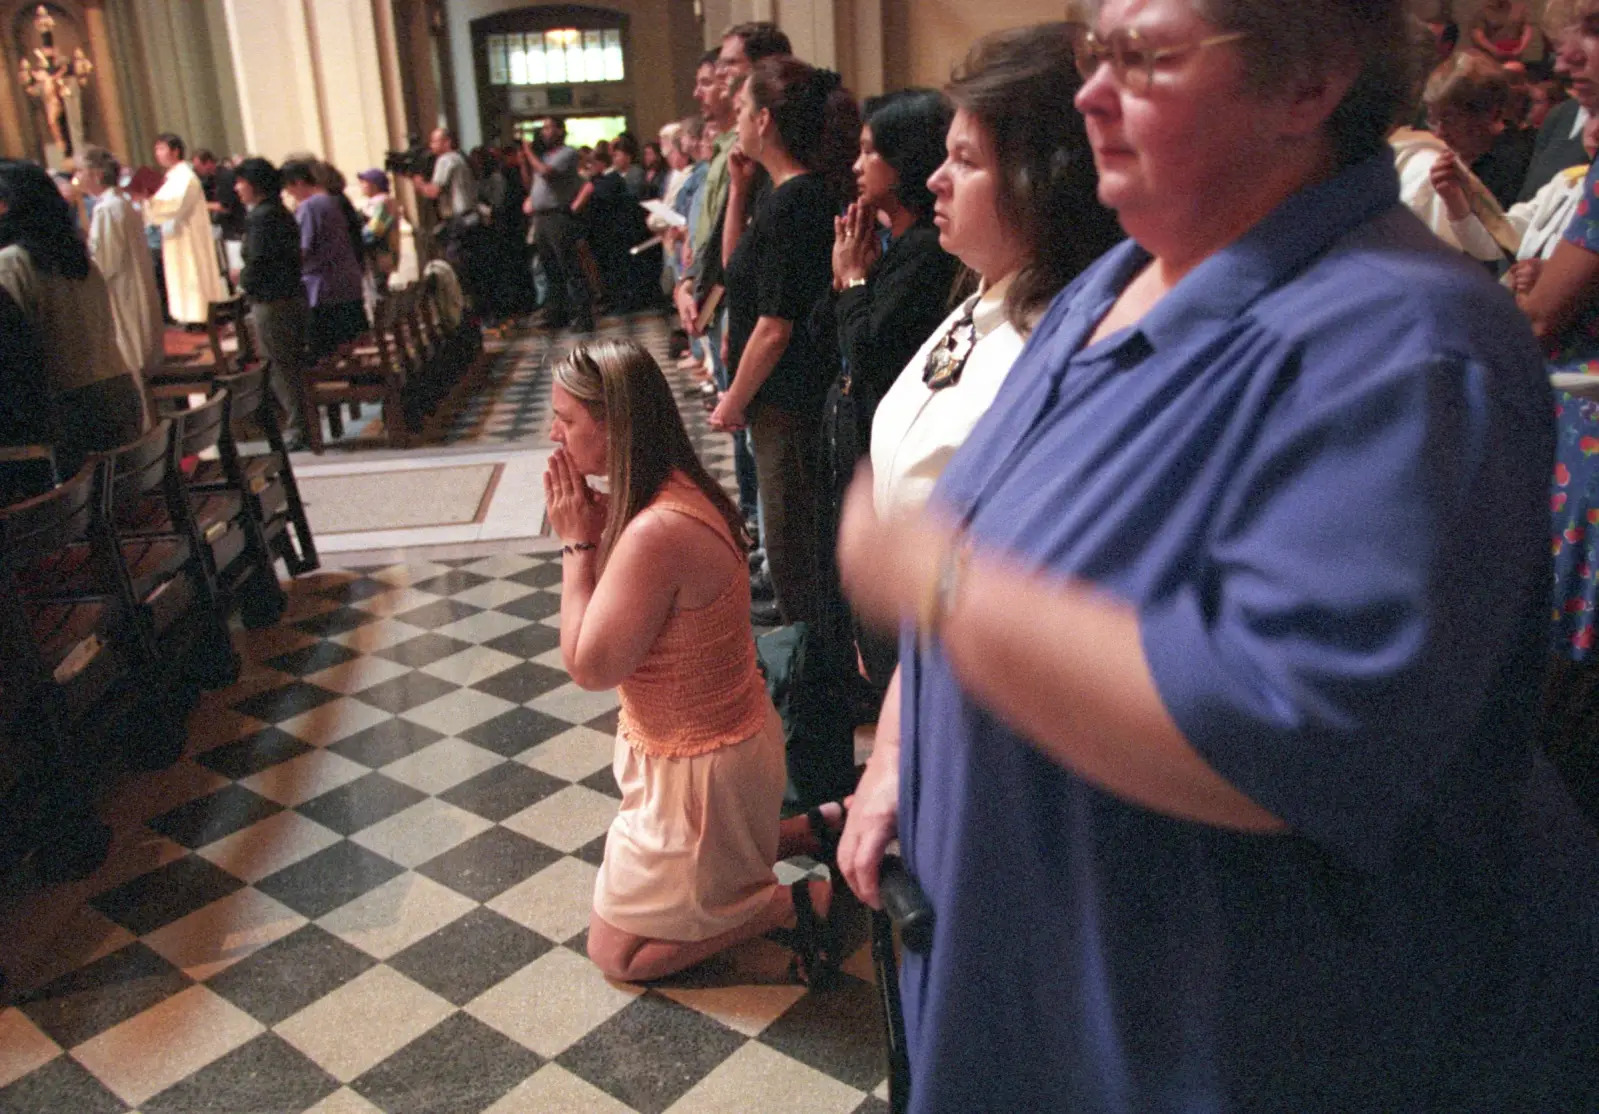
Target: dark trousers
<point x="786" y="445"/>
<point x="555" y="238"/>
<point x="332" y="324"/>
<point x="281" y="327"/>
<point x="743" y="455"/>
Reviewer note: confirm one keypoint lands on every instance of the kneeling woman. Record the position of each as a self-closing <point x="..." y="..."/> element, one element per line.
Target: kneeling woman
<point x="655" y="601"/>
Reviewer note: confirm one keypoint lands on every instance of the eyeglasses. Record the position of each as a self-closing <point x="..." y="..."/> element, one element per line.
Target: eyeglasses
<point x="1132" y="61"/>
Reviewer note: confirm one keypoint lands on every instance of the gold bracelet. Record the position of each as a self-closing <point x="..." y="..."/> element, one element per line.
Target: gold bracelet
<point x="942" y="593"/>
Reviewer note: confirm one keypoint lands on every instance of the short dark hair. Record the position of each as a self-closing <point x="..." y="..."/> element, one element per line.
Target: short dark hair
<point x="760" y="39"/>
<point x="1020" y="85"/>
<point x="103" y="163"/>
<point x="709" y="58"/>
<point x="263" y="177"/>
<point x="449" y="133"/>
<point x="297" y="171"/>
<point x="908" y="130"/>
<point x="174" y="143"/>
<point x="204" y="155"/>
<point x="627" y="144"/>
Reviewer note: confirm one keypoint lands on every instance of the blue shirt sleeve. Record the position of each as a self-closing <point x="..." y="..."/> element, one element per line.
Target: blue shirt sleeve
<point x="1584" y="227"/>
<point x="1328" y="655"/>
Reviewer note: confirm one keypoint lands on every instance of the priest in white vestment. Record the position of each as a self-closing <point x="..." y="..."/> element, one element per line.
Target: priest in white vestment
<point x="188" y="253"/>
<point x="116" y="240"/>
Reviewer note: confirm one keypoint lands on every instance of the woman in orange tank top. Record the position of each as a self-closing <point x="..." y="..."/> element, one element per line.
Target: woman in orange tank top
<point x="655" y="602"/>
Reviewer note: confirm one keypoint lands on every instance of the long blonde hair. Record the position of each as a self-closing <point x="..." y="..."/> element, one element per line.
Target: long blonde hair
<point x="620" y="383"/>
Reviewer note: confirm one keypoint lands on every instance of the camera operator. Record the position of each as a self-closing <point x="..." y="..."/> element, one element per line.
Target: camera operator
<point x="557" y="194"/>
<point x="453" y="187"/>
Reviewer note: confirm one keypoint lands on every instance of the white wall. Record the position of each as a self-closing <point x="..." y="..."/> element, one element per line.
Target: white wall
<point x="276" y="75"/>
<point x="308" y="79"/>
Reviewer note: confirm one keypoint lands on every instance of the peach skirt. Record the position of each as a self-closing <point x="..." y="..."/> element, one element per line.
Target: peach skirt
<point x="690" y="855"/>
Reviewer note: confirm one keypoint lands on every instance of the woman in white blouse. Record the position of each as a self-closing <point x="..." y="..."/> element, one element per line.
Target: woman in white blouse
<point x="1025" y="230"/>
<point x="1016" y="201"/>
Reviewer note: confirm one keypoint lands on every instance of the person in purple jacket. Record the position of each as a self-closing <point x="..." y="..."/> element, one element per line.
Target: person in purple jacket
<point x="329" y="268"/>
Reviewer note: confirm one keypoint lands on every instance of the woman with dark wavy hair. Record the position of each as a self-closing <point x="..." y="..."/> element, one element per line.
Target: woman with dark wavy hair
<point x="46" y="270"/>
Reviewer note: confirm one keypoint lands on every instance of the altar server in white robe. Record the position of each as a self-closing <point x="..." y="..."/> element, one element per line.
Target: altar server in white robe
<point x="116" y="240"/>
<point x="188" y="252"/>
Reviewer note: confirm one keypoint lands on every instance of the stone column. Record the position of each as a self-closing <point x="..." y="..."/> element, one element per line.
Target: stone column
<point x="354" y="118"/>
<point x="13" y="102"/>
<point x="275" y="69"/>
<point x="104" y="81"/>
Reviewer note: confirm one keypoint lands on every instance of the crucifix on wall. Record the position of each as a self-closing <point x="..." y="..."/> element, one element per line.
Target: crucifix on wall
<point x="55" y="80"/>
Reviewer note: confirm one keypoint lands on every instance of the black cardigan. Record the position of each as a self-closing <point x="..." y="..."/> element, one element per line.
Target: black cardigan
<point x="271" y="253"/>
<point x="876" y="329"/>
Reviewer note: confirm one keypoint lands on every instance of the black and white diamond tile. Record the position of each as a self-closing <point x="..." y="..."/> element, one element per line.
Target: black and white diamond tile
<point x="369" y="886"/>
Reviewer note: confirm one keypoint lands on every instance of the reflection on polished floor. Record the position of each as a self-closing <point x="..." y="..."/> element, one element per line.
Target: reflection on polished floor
<point x="366" y="887"/>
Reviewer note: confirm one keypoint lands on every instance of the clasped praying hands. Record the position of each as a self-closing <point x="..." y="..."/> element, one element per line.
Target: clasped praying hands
<point x="577" y="512"/>
<point x="856" y="247"/>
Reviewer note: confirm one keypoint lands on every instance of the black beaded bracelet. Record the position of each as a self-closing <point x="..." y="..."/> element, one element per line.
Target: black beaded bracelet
<point x="579" y="547"/>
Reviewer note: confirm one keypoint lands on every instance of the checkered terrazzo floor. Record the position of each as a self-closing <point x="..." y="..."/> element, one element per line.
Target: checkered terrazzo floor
<point x="367" y="888"/>
<point x="513" y="402"/>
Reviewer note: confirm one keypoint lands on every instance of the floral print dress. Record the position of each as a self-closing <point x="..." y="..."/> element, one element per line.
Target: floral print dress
<point x="1574" y="495"/>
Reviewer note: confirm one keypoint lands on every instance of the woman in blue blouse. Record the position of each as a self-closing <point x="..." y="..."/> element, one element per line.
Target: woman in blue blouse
<point x="1214" y="752"/>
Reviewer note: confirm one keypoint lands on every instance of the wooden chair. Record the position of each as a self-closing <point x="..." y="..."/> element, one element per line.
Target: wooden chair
<point x="229" y="334"/>
<point x="367" y="371"/>
<point x="68" y="682"/>
<point x="267" y="478"/>
<point x="230" y="347"/>
<point x="232" y="539"/>
<point x="166" y="581"/>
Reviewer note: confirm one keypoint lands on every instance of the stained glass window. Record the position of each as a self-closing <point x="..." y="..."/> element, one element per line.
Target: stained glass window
<point x="613" y="56"/>
<point x="562" y="56"/>
<point x="499" y="60"/>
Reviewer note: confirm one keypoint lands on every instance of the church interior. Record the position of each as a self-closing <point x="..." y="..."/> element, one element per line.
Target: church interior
<point x="337" y="850"/>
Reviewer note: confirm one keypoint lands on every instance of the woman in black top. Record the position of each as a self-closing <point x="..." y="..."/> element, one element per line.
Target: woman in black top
<point x="885" y="301"/>
<point x="799" y="125"/>
<point x="892" y="282"/>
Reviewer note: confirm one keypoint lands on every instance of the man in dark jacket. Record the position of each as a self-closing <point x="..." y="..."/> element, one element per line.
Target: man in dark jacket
<point x="271" y="280"/>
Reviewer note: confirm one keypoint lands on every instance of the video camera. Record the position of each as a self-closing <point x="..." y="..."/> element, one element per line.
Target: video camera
<point x="416" y="159"/>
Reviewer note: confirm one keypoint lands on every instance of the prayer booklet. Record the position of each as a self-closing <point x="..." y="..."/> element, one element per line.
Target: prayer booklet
<point x="664" y="212"/>
<point x="146" y="181"/>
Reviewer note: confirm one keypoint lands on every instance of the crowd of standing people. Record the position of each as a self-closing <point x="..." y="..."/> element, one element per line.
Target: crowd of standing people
<point x="1204" y="556"/>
